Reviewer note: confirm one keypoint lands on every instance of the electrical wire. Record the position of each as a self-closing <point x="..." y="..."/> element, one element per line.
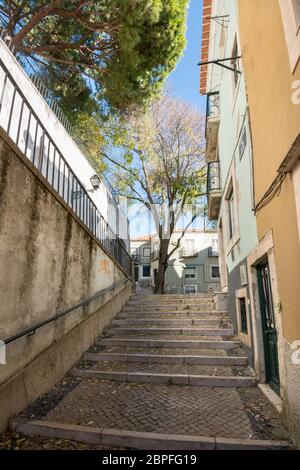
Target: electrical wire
<point x="274" y="190"/>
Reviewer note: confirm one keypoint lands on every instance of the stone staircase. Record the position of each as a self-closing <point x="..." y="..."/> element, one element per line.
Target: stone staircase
<point x="193" y="345"/>
<point x="168" y="373"/>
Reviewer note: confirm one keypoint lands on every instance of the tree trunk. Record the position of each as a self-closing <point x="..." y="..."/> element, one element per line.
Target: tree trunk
<point x="159" y="287"/>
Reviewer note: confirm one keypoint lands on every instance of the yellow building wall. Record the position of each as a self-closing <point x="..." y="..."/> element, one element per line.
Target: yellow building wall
<point x="275" y="123"/>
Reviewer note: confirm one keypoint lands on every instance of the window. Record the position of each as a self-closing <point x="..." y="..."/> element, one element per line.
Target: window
<point x="146" y="251"/>
<point x="215" y="272"/>
<point x="243" y="143"/>
<point x="146" y="270"/>
<point x="235" y="62"/>
<point x="222" y="43"/>
<point x="190" y="272"/>
<point x="231" y="215"/>
<point x="132" y="251"/>
<point x="243" y="315"/>
<point x="188" y="244"/>
<point x="190" y="289"/>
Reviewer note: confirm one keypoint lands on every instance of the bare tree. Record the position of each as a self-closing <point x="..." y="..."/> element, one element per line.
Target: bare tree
<point x="160" y="163"/>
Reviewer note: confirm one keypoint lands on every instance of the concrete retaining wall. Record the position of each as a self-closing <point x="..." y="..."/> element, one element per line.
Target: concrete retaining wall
<point x="48" y="262"/>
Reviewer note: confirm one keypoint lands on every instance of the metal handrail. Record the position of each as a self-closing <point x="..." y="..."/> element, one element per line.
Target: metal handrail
<point x="32" y="329"/>
<point x="50" y="163"/>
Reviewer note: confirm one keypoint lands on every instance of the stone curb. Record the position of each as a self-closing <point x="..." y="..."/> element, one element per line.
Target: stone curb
<point x="138" y="440"/>
<point x="173" y="331"/>
<point x="166" y="321"/>
<point x="195" y="314"/>
<point x="167" y="359"/>
<point x="168" y="379"/>
<point x="178" y="343"/>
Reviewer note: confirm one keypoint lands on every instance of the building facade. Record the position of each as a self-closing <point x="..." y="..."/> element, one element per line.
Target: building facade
<point x="140" y="250"/>
<point x="255" y="135"/>
<point x="270" y="40"/>
<point x="229" y="159"/>
<point x="194" y="267"/>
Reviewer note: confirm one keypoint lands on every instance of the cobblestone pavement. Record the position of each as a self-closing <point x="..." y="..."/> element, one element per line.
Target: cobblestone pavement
<point x="235" y="413"/>
<point x="166" y="351"/>
<point x="187" y="369"/>
<point x="155" y="408"/>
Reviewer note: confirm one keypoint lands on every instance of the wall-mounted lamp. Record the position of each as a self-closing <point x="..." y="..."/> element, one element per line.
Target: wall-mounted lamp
<point x="95" y="182"/>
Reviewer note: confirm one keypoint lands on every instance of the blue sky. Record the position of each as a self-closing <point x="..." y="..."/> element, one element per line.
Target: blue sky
<point x="185" y="82"/>
<point x="185" y="79"/>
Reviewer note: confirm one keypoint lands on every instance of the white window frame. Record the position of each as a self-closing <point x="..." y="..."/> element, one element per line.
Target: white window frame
<point x="146" y="248"/>
<point x="215" y="266"/>
<point x="243" y="294"/>
<point x="189" y="267"/>
<point x="186" y="243"/>
<point x="190" y="285"/>
<point x="291" y="26"/>
<point x="231" y="185"/>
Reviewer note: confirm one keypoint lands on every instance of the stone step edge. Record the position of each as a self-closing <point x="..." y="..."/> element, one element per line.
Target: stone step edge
<point x="176" y="331"/>
<point x="176" y="343"/>
<point x="136" y="439"/>
<point x="167" y="321"/>
<point x="167" y="359"/>
<point x="168" y="379"/>
<point x="203" y="313"/>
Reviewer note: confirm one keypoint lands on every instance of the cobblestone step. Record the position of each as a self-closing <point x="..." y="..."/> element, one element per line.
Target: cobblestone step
<point x="171" y="307"/>
<point x="168" y="378"/>
<point x="151" y="297"/>
<point x="172" y="315"/>
<point x="183" y="322"/>
<point x="98" y="347"/>
<point x="176" y="343"/>
<point x="161" y="301"/>
<point x="222" y="332"/>
<point x="167" y="359"/>
<point x="138" y="440"/>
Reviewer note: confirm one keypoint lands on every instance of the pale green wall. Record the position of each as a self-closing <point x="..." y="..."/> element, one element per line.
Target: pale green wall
<point x="232" y="112"/>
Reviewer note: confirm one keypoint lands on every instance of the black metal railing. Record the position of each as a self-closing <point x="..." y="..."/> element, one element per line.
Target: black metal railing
<point x="30" y="330"/>
<point x="212" y="106"/>
<point x="24" y="127"/>
<point x="213" y="177"/>
<point x="185" y="253"/>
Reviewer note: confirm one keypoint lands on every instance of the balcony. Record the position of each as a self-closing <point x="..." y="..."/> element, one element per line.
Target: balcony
<point x="188" y="253"/>
<point x="212" y="126"/>
<point x="214" y="190"/>
<point x="212" y="252"/>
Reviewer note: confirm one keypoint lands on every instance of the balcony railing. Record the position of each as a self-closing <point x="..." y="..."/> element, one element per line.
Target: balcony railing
<point x="213" y="104"/>
<point x="214" y="190"/>
<point x="185" y="253"/>
<point x="212" y="126"/>
<point x="213" y="177"/>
